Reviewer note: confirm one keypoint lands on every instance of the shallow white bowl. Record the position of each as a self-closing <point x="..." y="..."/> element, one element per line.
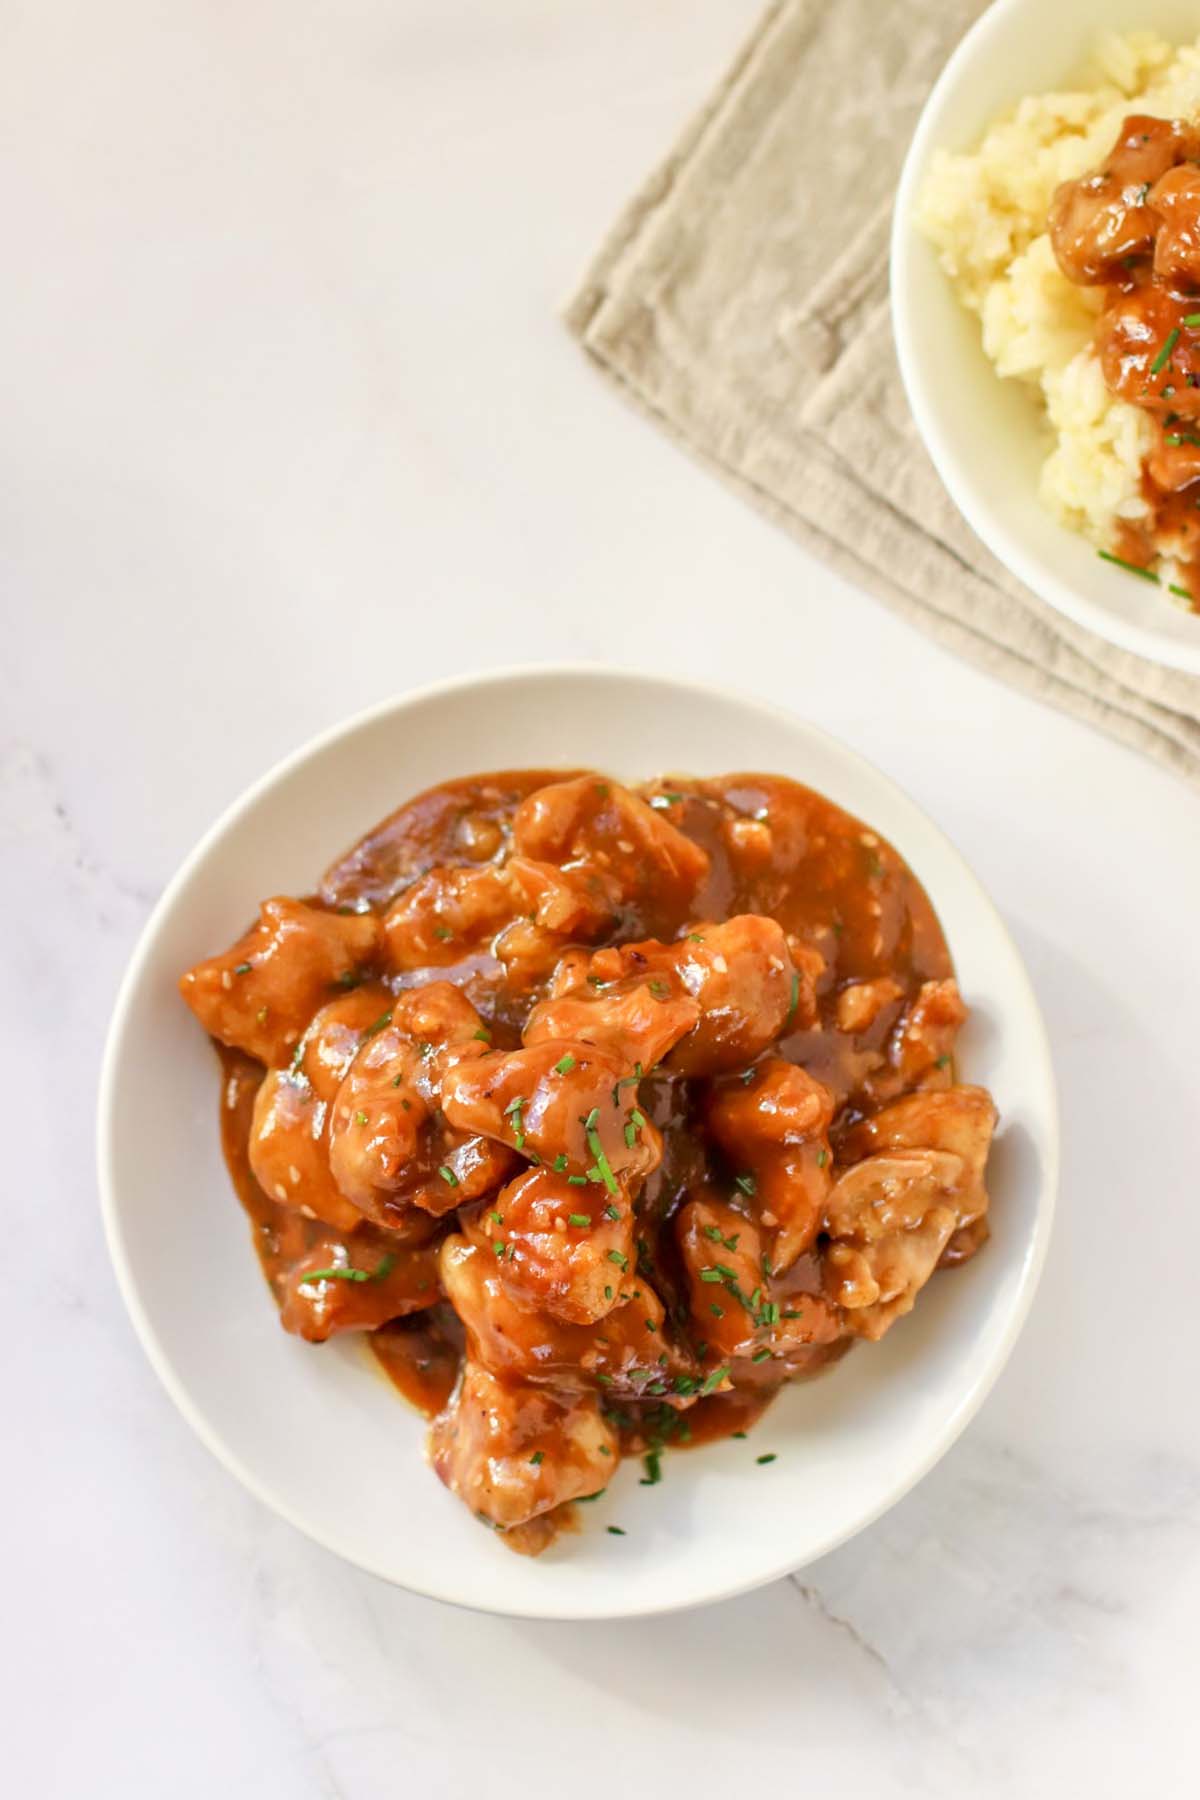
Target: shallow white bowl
<point x="317" y="1433"/>
<point x="985" y="435"/>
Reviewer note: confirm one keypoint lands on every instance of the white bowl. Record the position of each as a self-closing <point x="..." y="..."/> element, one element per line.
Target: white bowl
<point x="315" y="1432"/>
<point x="984" y="434"/>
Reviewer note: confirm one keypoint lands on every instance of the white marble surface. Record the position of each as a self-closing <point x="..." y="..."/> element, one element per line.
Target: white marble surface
<point x="288" y="425"/>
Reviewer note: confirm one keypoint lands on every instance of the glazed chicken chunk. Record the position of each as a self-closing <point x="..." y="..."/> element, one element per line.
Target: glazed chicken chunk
<point x="630" y="1353"/>
<point x="337" y="1287"/>
<point x="599" y="827"/>
<point x="289" y="1136"/>
<point x="561" y="1249"/>
<point x="891" y="1217"/>
<point x="1103" y="219"/>
<point x="390" y="1145"/>
<point x="513" y="1452"/>
<point x="774" y="1126"/>
<point x="260" y="995"/>
<point x="564" y="1103"/>
<point x="733" y="1298"/>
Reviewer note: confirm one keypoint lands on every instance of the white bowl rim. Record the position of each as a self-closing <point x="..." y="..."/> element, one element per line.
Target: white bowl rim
<point x="1127" y="634"/>
<point x="958" y="1419"/>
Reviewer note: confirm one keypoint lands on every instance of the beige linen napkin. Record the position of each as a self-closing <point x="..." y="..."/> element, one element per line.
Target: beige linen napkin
<point x="742" y="301"/>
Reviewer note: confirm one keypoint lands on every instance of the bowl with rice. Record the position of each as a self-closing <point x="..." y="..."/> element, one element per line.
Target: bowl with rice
<point x="1047" y="310"/>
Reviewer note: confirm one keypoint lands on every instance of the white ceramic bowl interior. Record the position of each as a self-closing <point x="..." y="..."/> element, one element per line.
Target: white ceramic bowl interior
<point x="985" y="435"/>
<point x="316" y="1432"/>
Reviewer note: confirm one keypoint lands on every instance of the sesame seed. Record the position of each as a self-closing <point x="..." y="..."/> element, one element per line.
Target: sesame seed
<point x="226" y="979"/>
<point x="293" y="1174"/>
<point x="281" y="1192"/>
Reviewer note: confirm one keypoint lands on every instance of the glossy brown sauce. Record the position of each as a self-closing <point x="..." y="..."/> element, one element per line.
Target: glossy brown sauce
<point x="830" y="879"/>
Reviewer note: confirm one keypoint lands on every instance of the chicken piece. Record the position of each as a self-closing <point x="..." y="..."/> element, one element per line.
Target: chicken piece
<point x="959" y="1120"/>
<point x="556" y="907"/>
<point x="730" y="1296"/>
<point x="1150" y="357"/>
<point x="738" y="975"/>
<point x="1175" y="197"/>
<point x="861" y="1003"/>
<point x="629" y="1353"/>
<point x="564" y="1248"/>
<point x="289" y="1133"/>
<point x="748" y="989"/>
<point x="600" y="827"/>
<point x="1173" y="463"/>
<point x="890" y="1218"/>
<point x="447" y="915"/>
<point x="774" y="1129"/>
<point x="635" y="1018"/>
<point x="260" y="995"/>
<point x="512" y="1452"/>
<point x="338" y="1287"/>
<point x="1100" y="221"/>
<point x="390" y="1148"/>
<point x="926" y="1035"/>
<point x="565" y="1103"/>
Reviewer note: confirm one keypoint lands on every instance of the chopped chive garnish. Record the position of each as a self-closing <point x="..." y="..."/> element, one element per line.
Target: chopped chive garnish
<point x="614" y="1530"/>
<point x="795" y="1000"/>
<point x="578" y="1219"/>
<point x="483" y="1034"/>
<point x="738" y="1434"/>
<point x="612" y="1212"/>
<point x="714" y="1380"/>
<point x="608" y="1293"/>
<point x="711" y="1275"/>
<point x="747" y="1183"/>
<point x="448" y="1176"/>
<point x="1174" y="588"/>
<point x="603" y="1167"/>
<point x="560" y="1162"/>
<point x="495" y="1218"/>
<point x="1164" y="355"/>
<point x="1133" y="568"/>
<point x="443" y="932"/>
<point x="514" y="1105"/>
<point x="718" y="1312"/>
<point x="761" y="1356"/>
<point x="385" y="1267"/>
<point x="822" y="1158"/>
<point x="769" y="1457"/>
<point x="618" y="1257"/>
<point x="497" y="1247"/>
<point x="565" y="1064"/>
<point x="536" y="1458"/>
<point x="380" y="1024"/>
<point x="577" y="1181"/>
<point x="630" y="1137"/>
<point x="592" y="1120"/>
<point x="653" y="1469"/>
<point x="242" y="968"/>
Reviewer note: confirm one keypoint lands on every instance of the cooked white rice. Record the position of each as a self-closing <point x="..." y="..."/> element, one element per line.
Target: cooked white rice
<point x="987" y="212"/>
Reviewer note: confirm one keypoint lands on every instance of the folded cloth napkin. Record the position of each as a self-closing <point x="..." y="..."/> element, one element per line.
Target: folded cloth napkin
<point x="742" y="301"/>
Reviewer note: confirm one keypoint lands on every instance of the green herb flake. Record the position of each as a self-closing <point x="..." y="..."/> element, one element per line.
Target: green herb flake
<point x="360" y="1118"/>
<point x="242" y="968"/>
<point x="1164" y="356"/>
<point x="615" y="1530"/>
<point x="448" y="1176"/>
<point x="795" y="999"/>
<point x="747" y="1183"/>
<point x="565" y="1064"/>
<point x="761" y="1356"/>
<point x="652" y="1464"/>
<point x="769" y="1457"/>
<point x="536" y="1458"/>
<point x="560" y="1162"/>
<point x="618" y="1257"/>
<point x="1130" y="568"/>
<point x="611" y="1211"/>
<point x="713" y="1381"/>
<point x="580" y="1219"/>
